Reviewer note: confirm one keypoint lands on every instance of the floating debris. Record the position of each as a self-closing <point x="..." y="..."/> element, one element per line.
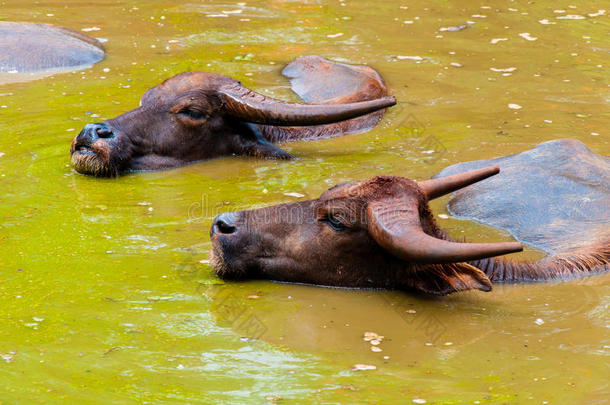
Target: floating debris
<point x="571" y="17"/>
<point x="496" y="40"/>
<point x="376" y="349"/>
<point x="89" y="29"/>
<point x="546" y="22"/>
<point x="8" y="357"/>
<point x="402" y="57"/>
<point x="337" y="35"/>
<point x="599" y="12"/>
<point x="514" y="106"/>
<point x="297" y="195"/>
<point x="111" y="350"/>
<point x="455" y="28"/>
<point x="369" y="336"/>
<point x="526" y="35"/>
<point x="455" y="64"/>
<point x="510" y="69"/>
<point x="363" y="367"/>
<point x="419" y="401"/>
<point x="539" y="321"/>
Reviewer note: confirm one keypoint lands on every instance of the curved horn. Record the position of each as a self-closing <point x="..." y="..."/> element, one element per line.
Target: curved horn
<point x="435" y="188"/>
<point x="395" y="225"/>
<point x="250" y="106"/>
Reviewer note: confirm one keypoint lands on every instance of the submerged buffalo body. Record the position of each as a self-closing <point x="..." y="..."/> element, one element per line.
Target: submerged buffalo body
<point x="559" y="194"/>
<point x="195" y="116"/>
<point x="29" y="48"/>
<point x="377" y="233"/>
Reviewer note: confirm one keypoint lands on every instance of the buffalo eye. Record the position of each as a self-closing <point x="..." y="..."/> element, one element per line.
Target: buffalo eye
<point x="191" y="113"/>
<point x="334" y="223"/>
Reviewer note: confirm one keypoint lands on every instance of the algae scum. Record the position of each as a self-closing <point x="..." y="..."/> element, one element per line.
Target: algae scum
<point x="106" y="294"/>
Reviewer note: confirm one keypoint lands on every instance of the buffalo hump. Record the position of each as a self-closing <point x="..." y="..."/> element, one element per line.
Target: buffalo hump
<point x="30" y="48"/>
<point x="555" y="196"/>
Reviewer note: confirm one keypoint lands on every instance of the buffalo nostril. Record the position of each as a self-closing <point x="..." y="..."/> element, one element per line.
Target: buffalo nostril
<point x="92" y="132"/>
<point x="225" y="228"/>
<point x="103" y="131"/>
<point x="224" y="223"/>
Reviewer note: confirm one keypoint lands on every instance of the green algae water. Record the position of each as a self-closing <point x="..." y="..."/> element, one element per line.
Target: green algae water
<point x="106" y="295"/>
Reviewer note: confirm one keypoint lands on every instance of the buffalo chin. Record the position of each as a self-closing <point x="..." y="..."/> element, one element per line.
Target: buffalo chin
<point x="222" y="269"/>
<point x="90" y="163"/>
<point x="218" y="263"/>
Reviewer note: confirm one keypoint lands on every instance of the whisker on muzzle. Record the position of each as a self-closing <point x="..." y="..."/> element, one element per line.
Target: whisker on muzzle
<point x="93" y="165"/>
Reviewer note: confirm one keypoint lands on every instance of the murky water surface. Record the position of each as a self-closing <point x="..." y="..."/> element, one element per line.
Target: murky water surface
<point x="104" y="298"/>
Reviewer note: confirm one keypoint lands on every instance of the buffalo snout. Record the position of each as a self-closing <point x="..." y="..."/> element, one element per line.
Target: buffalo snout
<point x="95" y="150"/>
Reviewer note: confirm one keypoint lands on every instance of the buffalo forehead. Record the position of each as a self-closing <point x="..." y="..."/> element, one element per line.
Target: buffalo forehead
<point x="375" y="188"/>
<point x="188" y="81"/>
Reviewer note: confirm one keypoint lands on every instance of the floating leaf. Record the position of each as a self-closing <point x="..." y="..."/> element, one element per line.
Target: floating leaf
<point x="363" y="367"/>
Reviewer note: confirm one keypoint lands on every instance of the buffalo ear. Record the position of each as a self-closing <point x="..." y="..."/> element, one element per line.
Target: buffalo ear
<point x="253" y="143"/>
<point x="266" y="150"/>
<point x="443" y="279"/>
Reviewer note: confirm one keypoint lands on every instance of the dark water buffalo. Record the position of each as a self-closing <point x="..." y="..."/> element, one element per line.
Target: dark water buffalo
<point x="195" y="116"/>
<point x="28" y="47"/>
<point x="377" y="233"/>
<point x="559" y="196"/>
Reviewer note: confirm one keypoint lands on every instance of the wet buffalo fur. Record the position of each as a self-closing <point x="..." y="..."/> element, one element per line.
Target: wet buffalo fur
<point x="327" y="242"/>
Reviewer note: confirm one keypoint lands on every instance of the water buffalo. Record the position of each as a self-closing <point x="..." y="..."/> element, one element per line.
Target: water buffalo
<point x="377" y="233"/>
<point x="195" y="116"/>
<point x="29" y="48"/>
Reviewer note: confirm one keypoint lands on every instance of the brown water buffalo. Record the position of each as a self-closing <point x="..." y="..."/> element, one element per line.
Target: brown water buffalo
<point x="28" y="48"/>
<point x="377" y="233"/>
<point x="195" y="116"/>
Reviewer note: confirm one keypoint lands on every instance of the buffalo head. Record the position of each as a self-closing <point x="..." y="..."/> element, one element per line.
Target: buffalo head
<point x="376" y="233"/>
<point x="195" y="116"/>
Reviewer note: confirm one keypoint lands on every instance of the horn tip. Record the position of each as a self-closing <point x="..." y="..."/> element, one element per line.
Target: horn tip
<point x="514" y="247"/>
<point x="389" y="101"/>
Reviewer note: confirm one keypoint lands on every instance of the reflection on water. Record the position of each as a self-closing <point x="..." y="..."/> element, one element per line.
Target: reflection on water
<point x="105" y="285"/>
